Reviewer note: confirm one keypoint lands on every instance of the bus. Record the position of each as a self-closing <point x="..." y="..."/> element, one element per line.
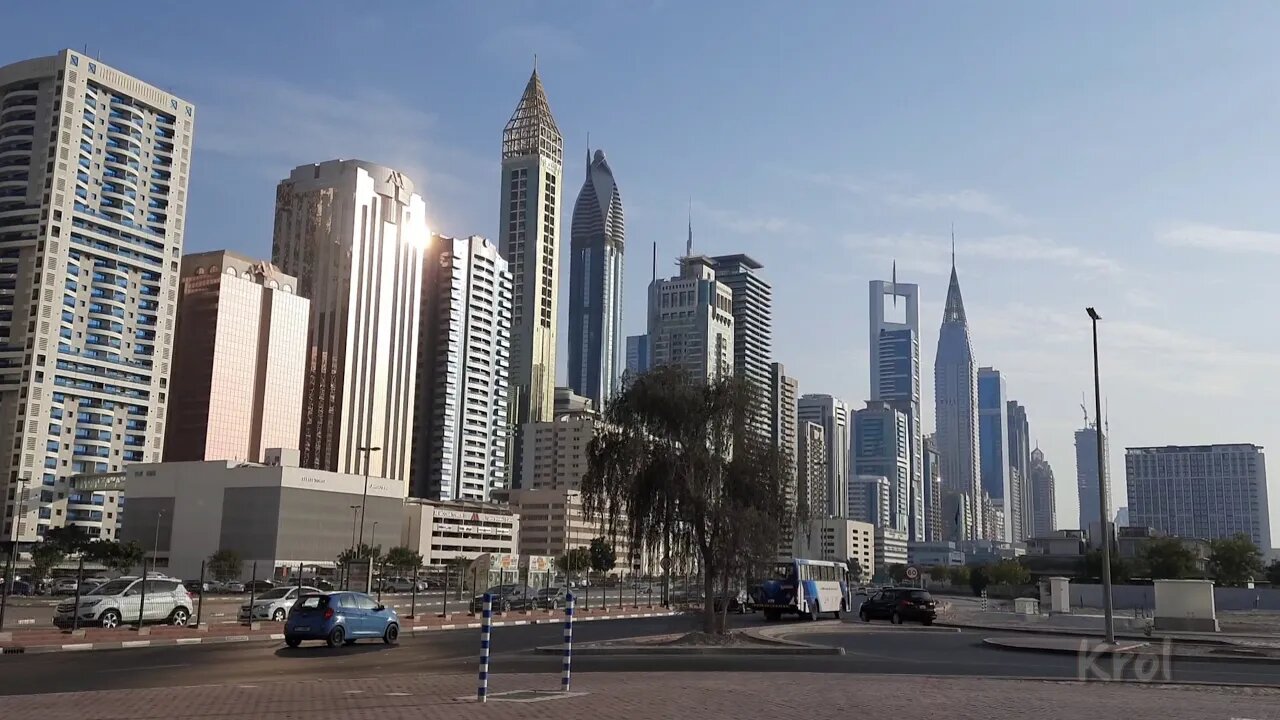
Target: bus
<point x="807" y="588"/>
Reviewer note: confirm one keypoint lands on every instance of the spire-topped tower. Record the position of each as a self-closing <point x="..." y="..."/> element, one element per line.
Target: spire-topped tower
<point x="529" y="237"/>
<point x="688" y="244"/>
<point x="955" y="385"/>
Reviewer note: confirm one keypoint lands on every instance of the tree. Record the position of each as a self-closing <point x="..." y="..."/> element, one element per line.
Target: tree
<point x="114" y="555"/>
<point x="1273" y="573"/>
<point x="71" y="539"/>
<point x="574" y="561"/>
<point x="1120" y="570"/>
<point x="44" y="557"/>
<point x="679" y="471"/>
<point x="603" y="556"/>
<point x="225" y="565"/>
<point x="854" y="567"/>
<point x="1234" y="560"/>
<point x="1009" y="572"/>
<point x="979" y="580"/>
<point x="959" y="575"/>
<point x="362" y="552"/>
<point x="939" y="573"/>
<point x="403" y="560"/>
<point x="1168" y="559"/>
<point x="897" y="573"/>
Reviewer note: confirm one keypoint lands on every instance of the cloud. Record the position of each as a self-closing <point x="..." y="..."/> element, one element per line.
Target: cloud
<point x="973" y="202"/>
<point x="931" y="254"/>
<point x="1210" y="237"/>
<point x="747" y="224"/>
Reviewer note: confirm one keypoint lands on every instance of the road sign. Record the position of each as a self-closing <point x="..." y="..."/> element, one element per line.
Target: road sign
<point x="913" y="572"/>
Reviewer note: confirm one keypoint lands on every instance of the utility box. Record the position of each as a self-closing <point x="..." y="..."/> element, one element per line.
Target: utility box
<point x="1026" y="606"/>
<point x="1059" y="595"/>
<point x="1185" y="605"/>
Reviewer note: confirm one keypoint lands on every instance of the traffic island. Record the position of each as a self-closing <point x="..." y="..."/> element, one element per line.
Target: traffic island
<point x="696" y="643"/>
<point x="1093" y="647"/>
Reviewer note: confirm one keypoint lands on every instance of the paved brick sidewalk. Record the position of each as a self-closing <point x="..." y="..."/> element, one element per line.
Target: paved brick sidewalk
<point x="660" y="695"/>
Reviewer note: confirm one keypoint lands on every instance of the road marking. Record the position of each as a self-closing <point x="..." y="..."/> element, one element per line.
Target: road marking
<point x="352" y="692"/>
<point x="149" y="667"/>
<point x="245" y="687"/>
<point x="411" y="694"/>
<point x="78" y="646"/>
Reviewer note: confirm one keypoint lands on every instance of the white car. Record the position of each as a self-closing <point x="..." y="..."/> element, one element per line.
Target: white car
<point x="273" y="604"/>
<point x="121" y="601"/>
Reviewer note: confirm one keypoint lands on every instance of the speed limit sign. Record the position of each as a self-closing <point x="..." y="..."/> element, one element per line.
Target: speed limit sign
<point x="913" y="573"/>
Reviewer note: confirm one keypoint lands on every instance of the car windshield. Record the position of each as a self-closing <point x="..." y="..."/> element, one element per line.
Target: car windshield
<point x="313" y="602"/>
<point x="115" y="587"/>
<point x="275" y="594"/>
<point x="784" y="571"/>
<point x="920" y="595"/>
<point x="547" y="592"/>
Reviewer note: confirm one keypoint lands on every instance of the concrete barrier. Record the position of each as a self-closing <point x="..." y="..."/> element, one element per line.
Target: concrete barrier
<point x="1185" y="605"/>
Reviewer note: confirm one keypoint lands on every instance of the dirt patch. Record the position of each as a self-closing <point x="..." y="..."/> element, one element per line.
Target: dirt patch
<point x="702" y="639"/>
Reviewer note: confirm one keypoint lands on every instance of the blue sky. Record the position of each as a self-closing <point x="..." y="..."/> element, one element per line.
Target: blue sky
<point x="1088" y="153"/>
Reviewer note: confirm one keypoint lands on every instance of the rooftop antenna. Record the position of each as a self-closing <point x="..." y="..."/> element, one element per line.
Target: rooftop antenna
<point x="688" y="246"/>
<point x="894" y="282"/>
<point x="655" y="261"/>
<point x="953" y="245"/>
<point x="535" y="63"/>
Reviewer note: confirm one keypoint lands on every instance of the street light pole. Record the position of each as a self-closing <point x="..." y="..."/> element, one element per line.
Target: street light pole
<point x="1103" y="516"/>
<point x="347" y="566"/>
<point x="364" y="498"/>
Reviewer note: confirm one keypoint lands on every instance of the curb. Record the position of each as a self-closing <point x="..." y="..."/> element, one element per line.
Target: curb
<point x="277" y="637"/>
<point x="1073" y="632"/>
<point x="693" y="650"/>
<point x="996" y="643"/>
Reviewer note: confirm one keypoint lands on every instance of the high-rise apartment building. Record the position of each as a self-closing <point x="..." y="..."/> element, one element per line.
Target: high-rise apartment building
<point x="993" y="448"/>
<point x="238" y="360"/>
<point x="869" y="499"/>
<point x="637" y="353"/>
<point x="1020" y="466"/>
<point x="752" y="327"/>
<point x="882" y="446"/>
<point x="691" y="321"/>
<point x="932" y="491"/>
<point x="529" y="238"/>
<point x="811" y="469"/>
<point x="460" y="415"/>
<point x="895" y="378"/>
<point x="595" y="284"/>
<point x="353" y="233"/>
<point x="783" y="398"/>
<point x="955" y="394"/>
<point x="1200" y="491"/>
<point x="1087" y="474"/>
<point x="1044" y="513"/>
<point x="833" y="415"/>
<point x="93" y="194"/>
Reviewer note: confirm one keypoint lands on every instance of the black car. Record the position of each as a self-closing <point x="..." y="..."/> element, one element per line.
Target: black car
<point x="505" y="598"/>
<point x="899" y="605"/>
<point x="258" y="586"/>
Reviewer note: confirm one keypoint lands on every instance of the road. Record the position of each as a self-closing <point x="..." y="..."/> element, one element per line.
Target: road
<point x="876" y="649"/>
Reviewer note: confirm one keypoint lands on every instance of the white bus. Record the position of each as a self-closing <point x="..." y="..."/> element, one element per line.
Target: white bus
<point x="808" y="588"/>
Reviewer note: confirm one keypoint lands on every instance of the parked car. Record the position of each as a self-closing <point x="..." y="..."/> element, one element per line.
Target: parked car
<point x="195" y="587"/>
<point x="401" y="584"/>
<point x="231" y="586"/>
<point x="340" y="618"/>
<point x="65" y="586"/>
<point x="273" y="604"/>
<point x="21" y="587"/>
<point x="552" y="598"/>
<point x="899" y="605"/>
<point x="120" y="601"/>
<point x="258" y="586"/>
<point x="738" y="602"/>
<point x="505" y="598"/>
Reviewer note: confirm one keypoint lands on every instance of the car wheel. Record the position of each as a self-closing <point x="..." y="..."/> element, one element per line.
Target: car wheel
<point x="505" y="607"/>
<point x="110" y="619"/>
<point x="896" y="619"/>
<point x="839" y="611"/>
<point x="337" y="637"/>
<point x="927" y="621"/>
<point x="278" y="615"/>
<point x="292" y="641"/>
<point x="179" y="617"/>
<point x="392" y="635"/>
<point x="865" y="616"/>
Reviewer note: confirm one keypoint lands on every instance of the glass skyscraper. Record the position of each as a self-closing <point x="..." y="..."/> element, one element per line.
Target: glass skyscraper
<point x="955" y="394"/>
<point x="895" y="378"/>
<point x="596" y="248"/>
<point x="993" y="446"/>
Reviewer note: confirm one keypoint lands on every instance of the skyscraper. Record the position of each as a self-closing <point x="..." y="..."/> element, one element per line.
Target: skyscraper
<point x="238" y="360"/>
<point x="833" y="415"/>
<point x="752" y="327"/>
<point x="1200" y="491"/>
<point x="637" y="353"/>
<point x="882" y="446"/>
<point x="93" y="192"/>
<point x="353" y="233"/>
<point x="1087" y="474"/>
<point x="869" y="500"/>
<point x="783" y="399"/>
<point x="529" y="238"/>
<point x="691" y="321"/>
<point x="811" y="469"/>
<point x="595" y="284"/>
<point x="1020" y="467"/>
<point x="895" y="378"/>
<point x="460" y="413"/>
<point x="955" y="394"/>
<point x="993" y="444"/>
<point x="932" y="491"/>
<point x="1044" y="513"/>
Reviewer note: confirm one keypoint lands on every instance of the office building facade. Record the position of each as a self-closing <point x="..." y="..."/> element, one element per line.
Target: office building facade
<point x="955" y="393"/>
<point x="833" y="415"/>
<point x="932" y="491"/>
<point x="1020" y="466"/>
<point x="869" y="499"/>
<point x="783" y="399"/>
<point x="353" y="233"/>
<point x="691" y="321"/>
<point x="460" y="436"/>
<point x="895" y="378"/>
<point x="1087" y="475"/>
<point x="882" y="446"/>
<point x="94" y="167"/>
<point x="811" y="469"/>
<point x="752" y="328"/>
<point x="1200" y="491"/>
<point x="238" y="361"/>
<point x="993" y="450"/>
<point x="596" y="246"/>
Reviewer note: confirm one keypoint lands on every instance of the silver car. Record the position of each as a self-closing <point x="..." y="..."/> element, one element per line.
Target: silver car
<point x="121" y="601"/>
<point x="273" y="604"/>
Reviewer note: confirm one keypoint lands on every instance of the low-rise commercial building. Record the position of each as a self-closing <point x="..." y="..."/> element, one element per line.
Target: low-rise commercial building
<point x="442" y="531"/>
<point x="933" y="554"/>
<point x="890" y="548"/>
<point x="839" y="539"/>
<point x="552" y="522"/>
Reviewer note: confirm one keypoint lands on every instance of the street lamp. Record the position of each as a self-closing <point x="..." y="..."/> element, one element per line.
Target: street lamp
<point x="364" y="498"/>
<point x="1103" y="513"/>
<point x="373" y="537"/>
<point x="347" y="567"/>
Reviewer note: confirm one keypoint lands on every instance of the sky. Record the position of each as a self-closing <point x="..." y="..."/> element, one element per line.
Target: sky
<point x="1119" y="155"/>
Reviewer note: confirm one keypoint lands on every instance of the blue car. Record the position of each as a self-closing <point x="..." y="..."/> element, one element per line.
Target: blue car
<point x="338" y="618"/>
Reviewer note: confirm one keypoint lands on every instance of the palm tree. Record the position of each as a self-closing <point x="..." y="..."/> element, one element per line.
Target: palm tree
<point x="678" y="467"/>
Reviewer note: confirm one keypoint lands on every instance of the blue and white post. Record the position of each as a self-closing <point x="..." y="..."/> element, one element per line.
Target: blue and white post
<point x="568" y="642"/>
<point x="486" y="627"/>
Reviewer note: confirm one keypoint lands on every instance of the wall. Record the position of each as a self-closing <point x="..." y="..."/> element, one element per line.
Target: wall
<point x="1129" y="597"/>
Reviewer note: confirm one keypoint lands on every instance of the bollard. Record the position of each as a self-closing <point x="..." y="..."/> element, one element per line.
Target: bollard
<point x="568" y="642"/>
<point x="486" y="626"/>
<point x="75" y="608"/>
<point x="200" y="598"/>
<point x="984" y="601"/>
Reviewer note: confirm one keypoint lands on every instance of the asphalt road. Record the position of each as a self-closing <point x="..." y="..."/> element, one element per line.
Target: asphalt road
<point x="875" y="649"/>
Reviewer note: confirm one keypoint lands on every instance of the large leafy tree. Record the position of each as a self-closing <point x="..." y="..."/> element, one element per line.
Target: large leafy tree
<point x="115" y="555"/>
<point x="677" y="468"/>
<point x="854" y="567"/>
<point x="1168" y="558"/>
<point x="362" y="552"/>
<point x="1009" y="572"/>
<point x="71" y="539"/>
<point x="45" y="557"/>
<point x="225" y="564"/>
<point x="603" y="556"/>
<point x="402" y="559"/>
<point x="1234" y="560"/>
<point x="575" y="561"/>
